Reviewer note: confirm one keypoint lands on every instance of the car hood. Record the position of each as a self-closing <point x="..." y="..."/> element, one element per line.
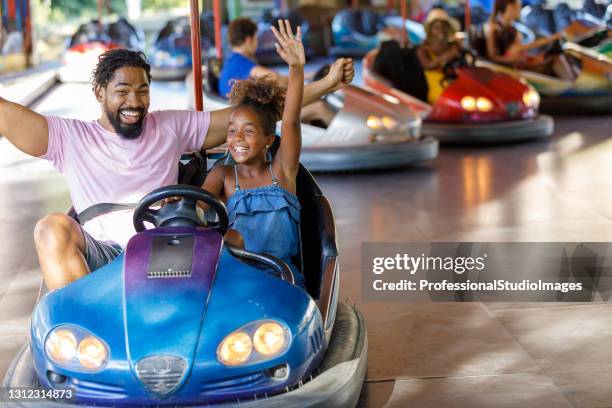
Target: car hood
<point x="166" y="291"/>
<point x="499" y="88"/>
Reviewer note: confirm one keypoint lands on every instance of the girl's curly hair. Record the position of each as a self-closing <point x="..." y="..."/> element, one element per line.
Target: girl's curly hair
<point x="264" y="96"/>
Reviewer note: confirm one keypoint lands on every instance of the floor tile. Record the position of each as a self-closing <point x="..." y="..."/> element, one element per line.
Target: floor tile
<point x="9" y="345"/>
<point x="499" y="391"/>
<point x="560" y="339"/>
<point x="416" y="340"/>
<point x="18" y="303"/>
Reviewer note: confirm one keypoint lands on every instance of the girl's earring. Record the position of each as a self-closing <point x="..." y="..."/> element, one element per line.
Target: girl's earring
<point x="268" y="154"/>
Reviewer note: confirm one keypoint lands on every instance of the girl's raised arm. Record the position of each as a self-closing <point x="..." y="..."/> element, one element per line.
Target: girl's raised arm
<point x="291" y="49"/>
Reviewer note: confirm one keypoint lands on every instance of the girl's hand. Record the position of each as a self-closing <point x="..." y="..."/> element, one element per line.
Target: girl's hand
<point x="288" y="46"/>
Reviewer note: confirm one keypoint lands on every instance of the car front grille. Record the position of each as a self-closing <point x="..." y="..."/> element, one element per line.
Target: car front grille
<point x="161" y="374"/>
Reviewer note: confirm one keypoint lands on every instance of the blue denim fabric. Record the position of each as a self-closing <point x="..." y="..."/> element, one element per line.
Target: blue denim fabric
<point x="268" y="218"/>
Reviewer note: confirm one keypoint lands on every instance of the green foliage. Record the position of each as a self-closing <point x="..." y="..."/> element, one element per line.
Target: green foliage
<point x="77" y="8"/>
<point x="163" y="4"/>
<point x="62" y="10"/>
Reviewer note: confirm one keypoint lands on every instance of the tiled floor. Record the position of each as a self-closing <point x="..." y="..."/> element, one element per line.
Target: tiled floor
<point x="420" y="355"/>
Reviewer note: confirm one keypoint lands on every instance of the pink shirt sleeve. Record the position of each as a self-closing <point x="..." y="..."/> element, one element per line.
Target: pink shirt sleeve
<point x="190" y="127"/>
<point x="59" y="129"/>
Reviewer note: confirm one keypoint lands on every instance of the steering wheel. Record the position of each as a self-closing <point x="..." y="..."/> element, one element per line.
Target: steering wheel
<point x="179" y="213"/>
<point x="466" y="59"/>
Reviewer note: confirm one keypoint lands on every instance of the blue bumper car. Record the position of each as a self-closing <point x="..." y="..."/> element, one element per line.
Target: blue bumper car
<point x="170" y="54"/>
<point x="183" y="319"/>
<point x="356" y="31"/>
<point x="90" y="41"/>
<point x="266" y="50"/>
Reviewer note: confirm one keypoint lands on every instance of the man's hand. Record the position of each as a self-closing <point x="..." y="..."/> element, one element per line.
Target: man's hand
<point x="341" y="72"/>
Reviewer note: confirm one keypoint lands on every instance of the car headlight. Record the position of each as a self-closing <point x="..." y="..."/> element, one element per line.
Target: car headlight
<point x="255" y="342"/>
<point x="384" y="123"/>
<point x="374" y="122"/>
<point x="269" y="338"/>
<point x="531" y="98"/>
<point x="74" y="348"/>
<point x="91" y="353"/>
<point x="61" y="345"/>
<point x="389" y="123"/>
<point x="483" y="104"/>
<point x="235" y="349"/>
<point x="468" y="103"/>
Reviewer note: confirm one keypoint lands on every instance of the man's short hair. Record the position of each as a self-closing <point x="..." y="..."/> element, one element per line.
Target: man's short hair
<point x="240" y="29"/>
<point x="114" y="59"/>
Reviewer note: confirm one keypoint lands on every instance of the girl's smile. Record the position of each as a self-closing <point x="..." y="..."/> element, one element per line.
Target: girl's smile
<point x="245" y="137"/>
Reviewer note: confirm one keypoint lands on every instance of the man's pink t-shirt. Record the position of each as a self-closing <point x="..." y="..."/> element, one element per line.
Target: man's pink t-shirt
<point x="102" y="167"/>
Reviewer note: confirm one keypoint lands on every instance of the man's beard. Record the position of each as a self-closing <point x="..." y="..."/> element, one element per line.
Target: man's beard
<point x="126" y="131"/>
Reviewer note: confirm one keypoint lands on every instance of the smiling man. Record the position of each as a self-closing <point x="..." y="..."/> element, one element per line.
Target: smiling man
<point x="118" y="158"/>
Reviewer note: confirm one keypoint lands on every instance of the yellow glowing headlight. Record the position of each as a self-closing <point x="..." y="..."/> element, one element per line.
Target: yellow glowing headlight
<point x="269" y="338"/>
<point x="76" y="349"/>
<point x="531" y="98"/>
<point x="389" y="123"/>
<point x="468" y="103"/>
<point x="92" y="353"/>
<point x="235" y="349"/>
<point x="374" y="122"/>
<point x="483" y="104"/>
<point x="61" y="345"/>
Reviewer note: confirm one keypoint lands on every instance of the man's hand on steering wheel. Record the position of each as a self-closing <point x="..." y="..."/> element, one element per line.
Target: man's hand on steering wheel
<point x="180" y="210"/>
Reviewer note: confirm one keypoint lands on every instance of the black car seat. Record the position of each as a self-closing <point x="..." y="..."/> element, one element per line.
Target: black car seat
<point x="477" y="40"/>
<point x="563" y="16"/>
<point x="539" y="19"/>
<point x="272" y="18"/>
<point x="166" y="30"/>
<point x="365" y="22"/>
<point x="207" y="26"/>
<point x="593" y="8"/>
<point x="213" y="71"/>
<point x="371" y="22"/>
<point x="402" y="68"/>
<point x="124" y="33"/>
<point x="318" y="240"/>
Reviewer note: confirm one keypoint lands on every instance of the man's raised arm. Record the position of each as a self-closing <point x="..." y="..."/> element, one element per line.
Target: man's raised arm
<point x="24" y="128"/>
<point x="341" y="72"/>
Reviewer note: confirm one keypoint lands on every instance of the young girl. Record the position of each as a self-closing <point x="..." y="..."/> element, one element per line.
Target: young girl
<point x="260" y="191"/>
<point x="505" y="45"/>
<point x="438" y="48"/>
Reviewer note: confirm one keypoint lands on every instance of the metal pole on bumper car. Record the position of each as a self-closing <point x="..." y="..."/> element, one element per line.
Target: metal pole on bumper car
<point x="404" y="13"/>
<point x="468" y="17"/>
<point x="217" y="23"/>
<point x="196" y="55"/>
